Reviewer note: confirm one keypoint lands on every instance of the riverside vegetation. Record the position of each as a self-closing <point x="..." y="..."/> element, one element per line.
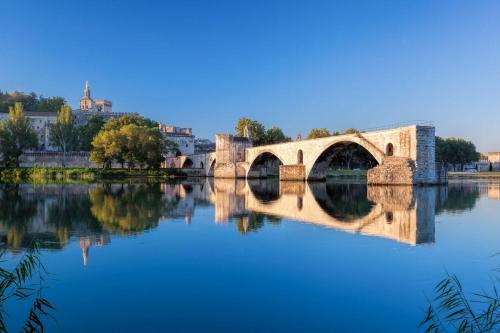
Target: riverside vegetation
<point x="79" y="175"/>
<point x="132" y="141"/>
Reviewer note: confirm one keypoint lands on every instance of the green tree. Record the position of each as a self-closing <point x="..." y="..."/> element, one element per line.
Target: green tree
<point x="108" y="145"/>
<point x="31" y="102"/>
<point x="131" y="140"/>
<point x="63" y="134"/>
<point x="256" y="130"/>
<point x="455" y="151"/>
<point x="87" y="132"/>
<point x="275" y="135"/>
<point x="316" y="133"/>
<point x="50" y="104"/>
<point x="351" y="131"/>
<point x="117" y="123"/>
<point x="171" y="147"/>
<point x="16" y="135"/>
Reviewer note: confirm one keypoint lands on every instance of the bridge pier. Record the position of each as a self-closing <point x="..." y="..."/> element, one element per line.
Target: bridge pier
<point x="293" y="172"/>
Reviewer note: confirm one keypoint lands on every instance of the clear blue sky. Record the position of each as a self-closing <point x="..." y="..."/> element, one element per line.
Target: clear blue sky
<point x="296" y="65"/>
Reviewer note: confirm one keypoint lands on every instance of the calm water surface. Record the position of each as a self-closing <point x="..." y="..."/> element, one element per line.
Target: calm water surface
<point x="236" y="256"/>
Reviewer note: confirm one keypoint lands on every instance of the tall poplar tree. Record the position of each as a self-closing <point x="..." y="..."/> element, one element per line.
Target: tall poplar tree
<point x="63" y="134"/>
<point x="16" y="135"/>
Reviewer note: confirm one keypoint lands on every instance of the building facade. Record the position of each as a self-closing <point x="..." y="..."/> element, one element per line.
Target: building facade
<point x="87" y="104"/>
<point x="40" y="122"/>
<point x="494" y="157"/>
<point x="183" y="137"/>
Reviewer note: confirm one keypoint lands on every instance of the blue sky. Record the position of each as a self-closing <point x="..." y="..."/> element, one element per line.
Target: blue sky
<point x="292" y="64"/>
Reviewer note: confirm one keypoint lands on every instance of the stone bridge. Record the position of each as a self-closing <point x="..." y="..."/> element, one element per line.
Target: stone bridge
<point x="404" y="155"/>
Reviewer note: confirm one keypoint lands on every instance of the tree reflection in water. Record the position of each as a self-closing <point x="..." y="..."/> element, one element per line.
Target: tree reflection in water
<point x="457" y="198"/>
<point x="131" y="209"/>
<point x="15" y="214"/>
<point x="54" y="214"/>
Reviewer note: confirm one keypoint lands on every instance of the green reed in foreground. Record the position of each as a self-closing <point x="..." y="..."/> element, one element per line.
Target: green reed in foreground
<point x="25" y="282"/>
<point x="452" y="311"/>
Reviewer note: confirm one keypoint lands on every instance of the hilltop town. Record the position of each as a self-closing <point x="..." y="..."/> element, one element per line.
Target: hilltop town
<point x="89" y="109"/>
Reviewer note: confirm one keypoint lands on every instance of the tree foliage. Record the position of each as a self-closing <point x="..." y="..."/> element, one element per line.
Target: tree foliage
<point x="256" y="130"/>
<point x="258" y="133"/>
<point x="275" y="135"/>
<point x="129" y="139"/>
<point x="87" y="132"/>
<point x="455" y="150"/>
<point x="63" y="134"/>
<point x="316" y="133"/>
<point x="30" y="102"/>
<point x="16" y="135"/>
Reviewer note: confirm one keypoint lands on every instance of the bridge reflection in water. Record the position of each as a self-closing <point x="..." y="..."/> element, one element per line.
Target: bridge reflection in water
<point x="402" y="213"/>
<point x="93" y="214"/>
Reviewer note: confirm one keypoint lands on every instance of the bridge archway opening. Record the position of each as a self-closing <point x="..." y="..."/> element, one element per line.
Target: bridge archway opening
<point x="212" y="169"/>
<point x="266" y="165"/>
<point x="300" y="157"/>
<point x="389" y="149"/>
<point x="188" y="163"/>
<point x="344" y="155"/>
<point x="345" y="202"/>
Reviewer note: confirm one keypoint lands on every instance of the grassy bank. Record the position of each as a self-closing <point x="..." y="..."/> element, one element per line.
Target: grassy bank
<point x="81" y="175"/>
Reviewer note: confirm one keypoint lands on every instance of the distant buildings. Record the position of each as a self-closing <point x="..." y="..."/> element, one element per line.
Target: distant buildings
<point x="183" y="137"/>
<point x="88" y="107"/>
<point x="87" y="104"/>
<point x="494" y="157"/>
<point x="40" y="123"/>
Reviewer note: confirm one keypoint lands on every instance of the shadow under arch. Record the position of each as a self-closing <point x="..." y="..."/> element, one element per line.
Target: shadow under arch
<point x="211" y="170"/>
<point x="266" y="165"/>
<point x="344" y="202"/>
<point x="265" y="191"/>
<point x="342" y="155"/>
<point x="188" y="163"/>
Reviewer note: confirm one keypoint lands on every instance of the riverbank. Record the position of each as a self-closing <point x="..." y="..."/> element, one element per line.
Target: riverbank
<point x="474" y="175"/>
<point x="82" y="175"/>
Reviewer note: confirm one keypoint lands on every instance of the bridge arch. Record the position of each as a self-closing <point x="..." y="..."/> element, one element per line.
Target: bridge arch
<point x="188" y="163"/>
<point x="266" y="164"/>
<point x="344" y="152"/>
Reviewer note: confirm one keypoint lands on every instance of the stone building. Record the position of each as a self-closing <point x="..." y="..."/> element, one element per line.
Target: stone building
<point x="89" y="105"/>
<point x="494" y="157"/>
<point x="40" y="122"/>
<point x="203" y="146"/>
<point x="183" y="137"/>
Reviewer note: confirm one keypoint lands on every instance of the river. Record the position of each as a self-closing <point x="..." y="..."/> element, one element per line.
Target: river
<point x="205" y="255"/>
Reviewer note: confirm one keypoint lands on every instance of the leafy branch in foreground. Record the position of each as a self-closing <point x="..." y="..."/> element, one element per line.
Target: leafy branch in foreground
<point x="452" y="311"/>
<point x="18" y="284"/>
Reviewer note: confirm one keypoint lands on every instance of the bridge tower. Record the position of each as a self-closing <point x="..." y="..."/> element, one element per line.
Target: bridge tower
<point x="230" y="156"/>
